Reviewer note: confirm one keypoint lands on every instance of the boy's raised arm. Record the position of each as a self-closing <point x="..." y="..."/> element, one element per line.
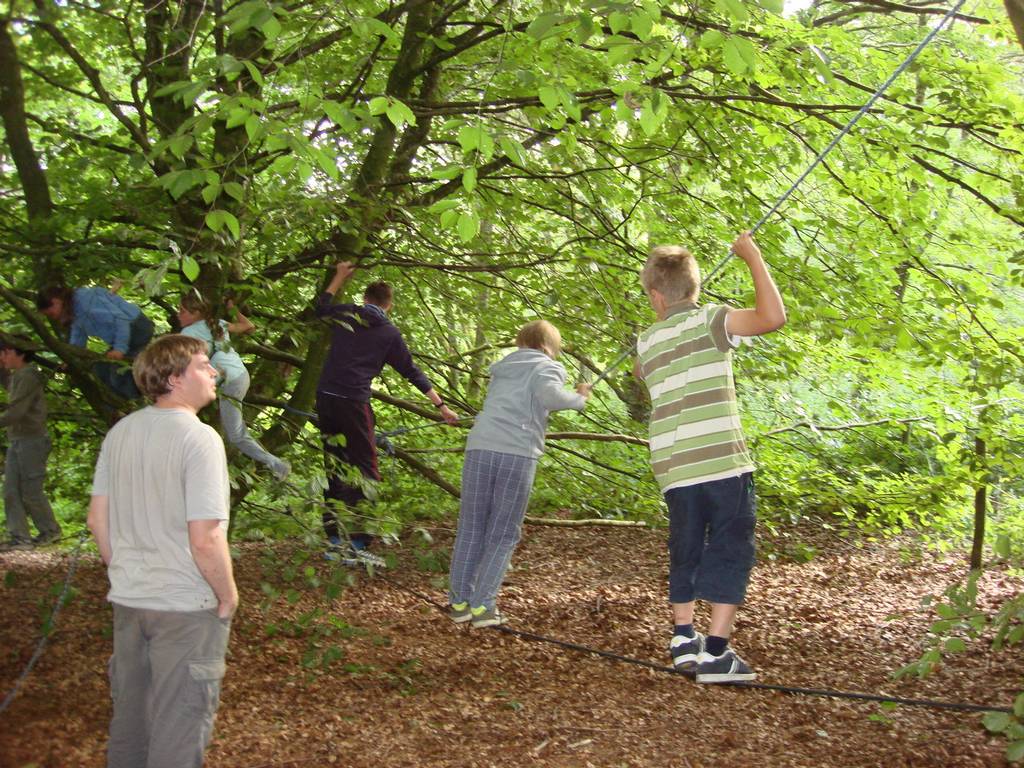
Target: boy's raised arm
<point x="769" y="312"/>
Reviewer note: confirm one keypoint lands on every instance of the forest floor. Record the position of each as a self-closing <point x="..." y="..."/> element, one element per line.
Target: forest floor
<point x="413" y="689"/>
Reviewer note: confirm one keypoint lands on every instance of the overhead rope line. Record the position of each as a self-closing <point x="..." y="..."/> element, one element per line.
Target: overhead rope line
<point x="846" y="128"/>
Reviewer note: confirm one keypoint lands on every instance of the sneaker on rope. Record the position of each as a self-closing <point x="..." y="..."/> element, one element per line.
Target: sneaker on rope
<point x="459" y="612"/>
<point x="685" y="650"/>
<point x="727" y="668"/>
<point x="485" y="617"/>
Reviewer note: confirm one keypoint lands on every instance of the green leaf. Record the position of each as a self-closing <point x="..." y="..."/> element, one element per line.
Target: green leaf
<point x="821" y="62"/>
<point x="378" y="105"/>
<point x="341" y="115"/>
<point x="179" y="145"/>
<point x="271" y="29"/>
<point x="253" y="128"/>
<point x="711" y="39"/>
<point x="211" y="192"/>
<point x="739" y="55"/>
<point x="449" y="218"/>
<point x="400" y="114"/>
<point x="254" y="72"/>
<point x="442" y="205"/>
<point x="189" y="268"/>
<point x="232" y="222"/>
<point x="469" y="226"/>
<point x="543" y="26"/>
<point x="955" y="645"/>
<point x="618" y="21"/>
<point x="171" y="88"/>
<point x="1015" y="752"/>
<point x="237" y="117"/>
<point x="996" y="722"/>
<point x="327" y="162"/>
<point x="734" y="8"/>
<point x="215" y="220"/>
<point x="1018" y="705"/>
<point x="732" y="58"/>
<point x="772" y="6"/>
<point x="513" y="150"/>
<point x="469" y="179"/>
<point x="549" y="97"/>
<point x="183" y="182"/>
<point x="469" y="137"/>
<point x="235" y="189"/>
<point x="641" y="24"/>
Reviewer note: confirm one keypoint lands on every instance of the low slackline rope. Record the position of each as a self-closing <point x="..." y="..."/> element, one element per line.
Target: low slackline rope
<point x="823" y="692"/>
<point x="846" y="128"/>
<point x="47" y="631"/>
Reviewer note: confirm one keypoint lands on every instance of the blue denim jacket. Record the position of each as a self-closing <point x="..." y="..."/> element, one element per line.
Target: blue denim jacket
<point x="100" y="313"/>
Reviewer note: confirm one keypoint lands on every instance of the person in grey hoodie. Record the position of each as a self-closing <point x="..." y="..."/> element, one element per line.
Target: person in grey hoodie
<point x="502" y="450"/>
<point x="27" y="449"/>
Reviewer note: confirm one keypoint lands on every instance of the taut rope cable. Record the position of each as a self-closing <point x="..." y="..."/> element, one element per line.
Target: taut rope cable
<point x="823" y="692"/>
<point x="846" y="128"/>
<point x="52" y="621"/>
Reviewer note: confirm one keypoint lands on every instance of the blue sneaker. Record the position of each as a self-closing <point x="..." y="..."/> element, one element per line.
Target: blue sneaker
<point x="685" y="651"/>
<point x="727" y="668"/>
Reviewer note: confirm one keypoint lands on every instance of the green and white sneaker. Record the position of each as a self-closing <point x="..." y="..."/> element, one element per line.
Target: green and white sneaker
<point x="459" y="612"/>
<point x="485" y="617"/>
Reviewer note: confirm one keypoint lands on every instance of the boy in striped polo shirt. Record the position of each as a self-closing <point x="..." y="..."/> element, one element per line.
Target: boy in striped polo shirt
<point x="698" y="454"/>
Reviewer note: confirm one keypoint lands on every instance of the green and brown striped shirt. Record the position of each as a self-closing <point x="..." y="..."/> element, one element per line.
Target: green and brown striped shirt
<point x="695" y="432"/>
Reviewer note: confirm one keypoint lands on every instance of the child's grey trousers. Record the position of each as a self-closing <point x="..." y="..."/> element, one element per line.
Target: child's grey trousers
<point x="495" y="492"/>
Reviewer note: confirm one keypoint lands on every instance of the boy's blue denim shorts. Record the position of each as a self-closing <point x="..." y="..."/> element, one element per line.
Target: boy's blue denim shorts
<point x="711" y="540"/>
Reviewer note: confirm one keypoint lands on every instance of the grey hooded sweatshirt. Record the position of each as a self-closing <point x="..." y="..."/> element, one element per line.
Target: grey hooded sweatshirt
<point x="525" y="387"/>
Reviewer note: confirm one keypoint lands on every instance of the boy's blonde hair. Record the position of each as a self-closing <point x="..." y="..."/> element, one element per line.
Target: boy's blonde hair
<point x="672" y="271"/>
<point x="167" y="356"/>
<point x="541" y="335"/>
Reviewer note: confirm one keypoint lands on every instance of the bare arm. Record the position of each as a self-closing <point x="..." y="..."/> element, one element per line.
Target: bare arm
<point x="446" y="413"/>
<point x="209" y="548"/>
<point x="769" y="313"/>
<point x="342" y="273"/>
<point x="241" y="325"/>
<point x="99" y="524"/>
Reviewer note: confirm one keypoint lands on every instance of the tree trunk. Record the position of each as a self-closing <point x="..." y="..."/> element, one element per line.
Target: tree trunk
<point x="38" y="203"/>
<point x="980" y="493"/>
<point x="1015" y="10"/>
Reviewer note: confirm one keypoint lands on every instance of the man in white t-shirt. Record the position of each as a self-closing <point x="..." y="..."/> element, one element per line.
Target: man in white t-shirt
<point x="159" y="514"/>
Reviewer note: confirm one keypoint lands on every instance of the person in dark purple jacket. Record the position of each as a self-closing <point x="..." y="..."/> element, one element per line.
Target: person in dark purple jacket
<point x="363" y="340"/>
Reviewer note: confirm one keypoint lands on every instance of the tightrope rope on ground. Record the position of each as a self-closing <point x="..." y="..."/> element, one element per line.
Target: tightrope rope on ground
<point x="48" y="625"/>
<point x="822" y="692"/>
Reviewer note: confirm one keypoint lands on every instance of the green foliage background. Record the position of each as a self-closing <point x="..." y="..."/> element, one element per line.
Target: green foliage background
<point x="500" y="162"/>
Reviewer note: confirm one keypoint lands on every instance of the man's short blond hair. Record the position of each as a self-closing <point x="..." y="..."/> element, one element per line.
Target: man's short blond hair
<point x="672" y="271"/>
<point x="541" y="335"/>
<point x="167" y="356"/>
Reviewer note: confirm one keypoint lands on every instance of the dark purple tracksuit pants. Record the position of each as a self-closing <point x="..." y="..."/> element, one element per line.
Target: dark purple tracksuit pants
<point x="353" y="421"/>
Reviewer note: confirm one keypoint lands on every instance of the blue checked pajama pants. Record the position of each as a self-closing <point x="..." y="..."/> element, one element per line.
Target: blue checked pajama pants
<point x="495" y="492"/>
